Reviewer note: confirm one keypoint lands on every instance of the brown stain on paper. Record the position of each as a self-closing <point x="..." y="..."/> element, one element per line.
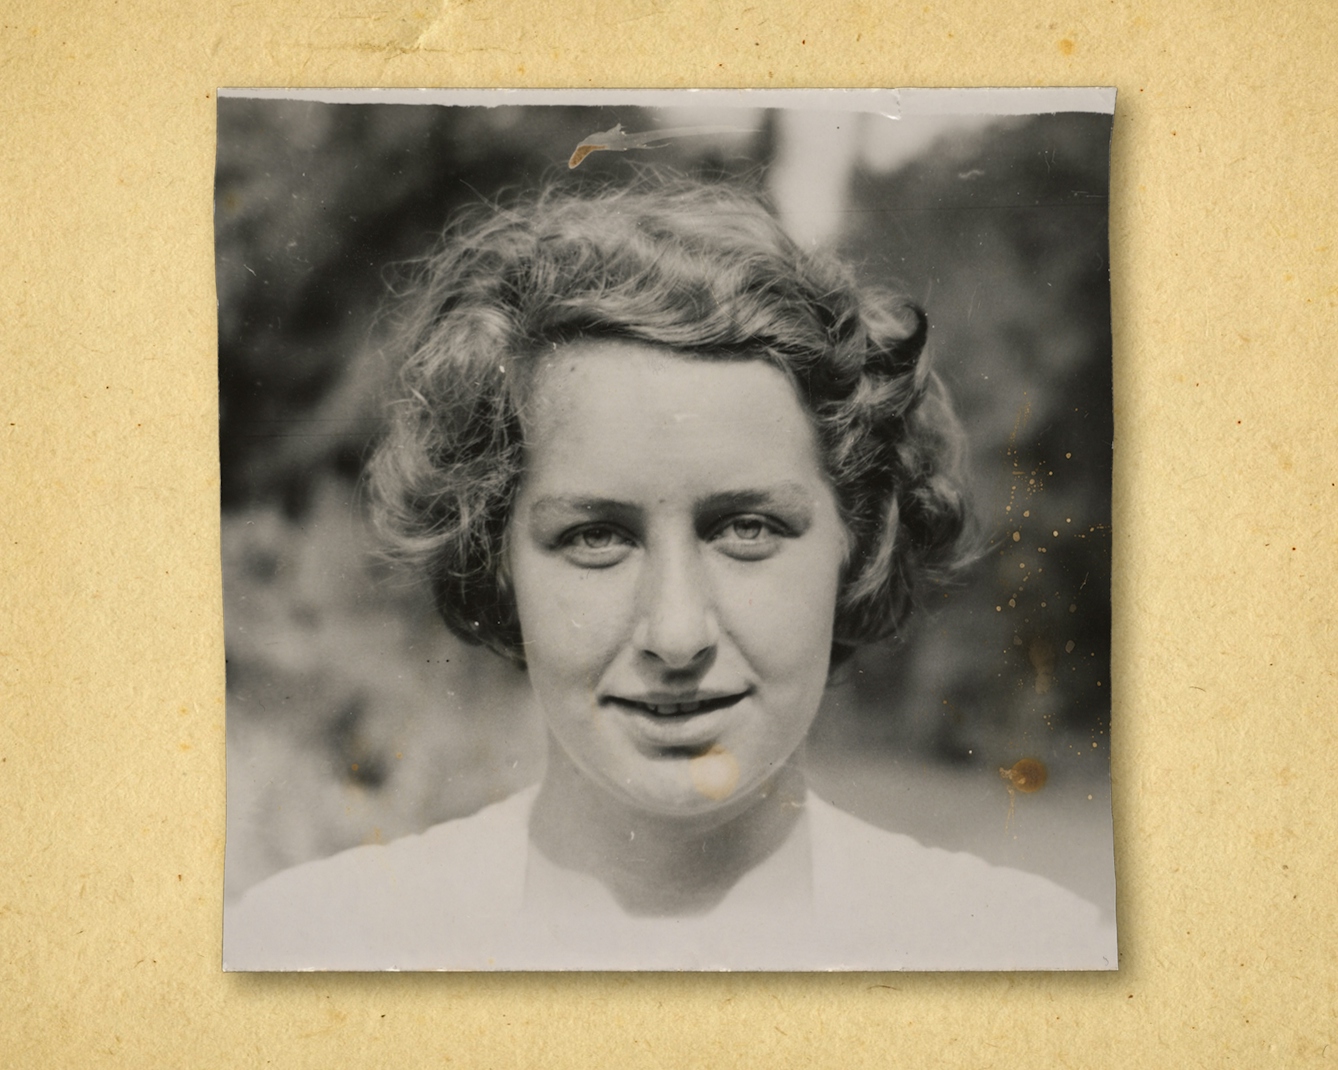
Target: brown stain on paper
<point x="1026" y="775"/>
<point x="715" y="774"/>
<point x="582" y="151"/>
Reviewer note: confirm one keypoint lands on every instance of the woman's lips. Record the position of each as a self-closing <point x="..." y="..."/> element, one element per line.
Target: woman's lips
<point x="679" y="722"/>
<point x="672" y="707"/>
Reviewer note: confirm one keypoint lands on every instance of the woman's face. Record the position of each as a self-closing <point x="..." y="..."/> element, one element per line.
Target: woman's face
<point x="675" y="551"/>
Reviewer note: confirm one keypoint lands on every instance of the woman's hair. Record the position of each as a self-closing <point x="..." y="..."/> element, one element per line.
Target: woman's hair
<point x="704" y="270"/>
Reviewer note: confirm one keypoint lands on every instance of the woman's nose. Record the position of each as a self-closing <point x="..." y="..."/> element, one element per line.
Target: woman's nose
<point x="677" y="625"/>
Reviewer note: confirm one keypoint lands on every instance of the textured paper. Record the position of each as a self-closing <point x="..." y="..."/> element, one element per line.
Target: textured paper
<point x="111" y="660"/>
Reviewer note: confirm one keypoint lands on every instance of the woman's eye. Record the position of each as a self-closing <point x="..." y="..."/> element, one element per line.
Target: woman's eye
<point x="749" y="538"/>
<point x="595" y="547"/>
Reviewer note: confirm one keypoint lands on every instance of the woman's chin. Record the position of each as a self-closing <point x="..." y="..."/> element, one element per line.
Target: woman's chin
<point x="710" y="782"/>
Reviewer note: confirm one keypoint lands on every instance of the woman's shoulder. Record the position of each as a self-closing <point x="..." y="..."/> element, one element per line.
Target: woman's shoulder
<point x="439" y="895"/>
<point x="930" y="908"/>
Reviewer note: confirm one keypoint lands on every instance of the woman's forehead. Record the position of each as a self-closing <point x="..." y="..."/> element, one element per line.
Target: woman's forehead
<point x="624" y="379"/>
<point x="623" y="412"/>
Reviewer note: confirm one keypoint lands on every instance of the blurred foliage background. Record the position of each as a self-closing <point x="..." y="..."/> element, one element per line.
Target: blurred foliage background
<point x="354" y="717"/>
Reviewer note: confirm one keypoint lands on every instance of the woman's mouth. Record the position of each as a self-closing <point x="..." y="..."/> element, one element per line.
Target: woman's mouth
<point x="662" y="706"/>
<point x="666" y="725"/>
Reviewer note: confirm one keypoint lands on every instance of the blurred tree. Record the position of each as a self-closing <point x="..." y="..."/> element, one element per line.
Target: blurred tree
<point x="1001" y="233"/>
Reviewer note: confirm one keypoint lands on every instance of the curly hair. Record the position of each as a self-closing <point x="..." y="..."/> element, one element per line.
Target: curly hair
<point x="703" y="270"/>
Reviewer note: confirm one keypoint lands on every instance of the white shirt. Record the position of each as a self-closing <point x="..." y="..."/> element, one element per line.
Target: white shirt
<point x="454" y="897"/>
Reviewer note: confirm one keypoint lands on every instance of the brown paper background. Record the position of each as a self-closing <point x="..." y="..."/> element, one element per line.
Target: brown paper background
<point x="111" y="655"/>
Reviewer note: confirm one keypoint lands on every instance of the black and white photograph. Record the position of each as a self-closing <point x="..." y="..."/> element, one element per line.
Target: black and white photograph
<point x="666" y="530"/>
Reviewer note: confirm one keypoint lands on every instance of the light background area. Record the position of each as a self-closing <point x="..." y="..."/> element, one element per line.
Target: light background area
<point x="111" y="648"/>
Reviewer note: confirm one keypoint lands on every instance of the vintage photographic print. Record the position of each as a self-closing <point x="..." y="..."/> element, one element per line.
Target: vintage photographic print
<point x="666" y="530"/>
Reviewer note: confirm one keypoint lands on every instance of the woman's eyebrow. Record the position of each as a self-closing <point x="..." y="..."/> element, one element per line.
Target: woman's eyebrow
<point x="791" y="498"/>
<point x="560" y="507"/>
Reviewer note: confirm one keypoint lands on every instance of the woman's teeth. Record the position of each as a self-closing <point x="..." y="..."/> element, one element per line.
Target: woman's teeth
<point x="673" y="708"/>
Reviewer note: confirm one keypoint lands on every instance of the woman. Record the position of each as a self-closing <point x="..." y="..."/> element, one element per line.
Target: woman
<point x="679" y="469"/>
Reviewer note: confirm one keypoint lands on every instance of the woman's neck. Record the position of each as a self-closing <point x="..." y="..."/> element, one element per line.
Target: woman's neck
<point x="656" y="864"/>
